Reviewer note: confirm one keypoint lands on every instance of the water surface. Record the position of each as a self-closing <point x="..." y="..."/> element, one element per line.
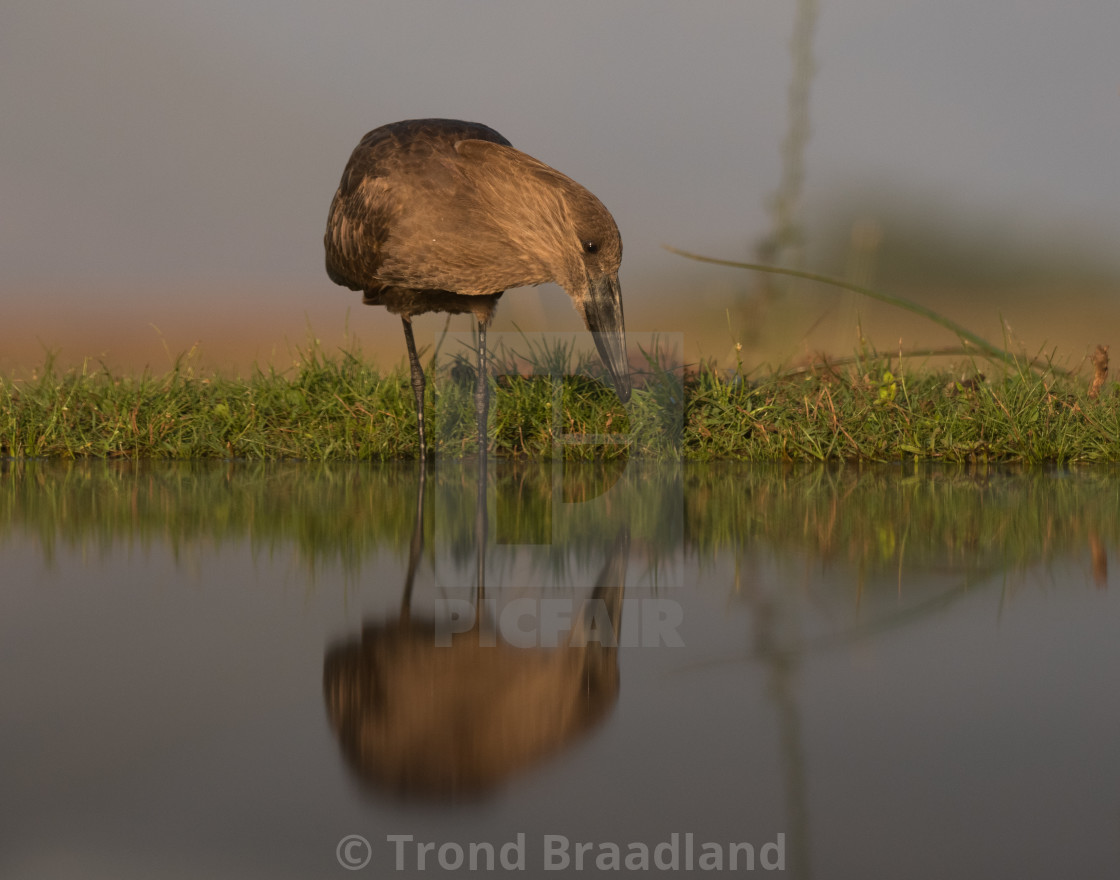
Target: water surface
<point x="226" y="670"/>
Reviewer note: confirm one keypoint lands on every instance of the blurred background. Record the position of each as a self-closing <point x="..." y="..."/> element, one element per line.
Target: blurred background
<point x="166" y="168"/>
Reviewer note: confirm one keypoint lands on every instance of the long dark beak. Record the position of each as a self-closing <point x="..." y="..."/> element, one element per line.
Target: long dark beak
<point x="602" y="311"/>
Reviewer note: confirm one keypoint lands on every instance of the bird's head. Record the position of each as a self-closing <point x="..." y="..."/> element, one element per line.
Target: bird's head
<point x="591" y="254"/>
<point x="555" y="223"/>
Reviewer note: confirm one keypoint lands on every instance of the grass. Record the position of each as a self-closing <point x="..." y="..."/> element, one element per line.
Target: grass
<point x="341" y="408"/>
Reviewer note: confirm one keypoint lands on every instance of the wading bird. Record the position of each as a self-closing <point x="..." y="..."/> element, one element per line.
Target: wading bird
<point x="437" y="215"/>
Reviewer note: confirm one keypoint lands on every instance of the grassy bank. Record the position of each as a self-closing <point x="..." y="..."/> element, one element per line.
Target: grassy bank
<point x="341" y="408"/>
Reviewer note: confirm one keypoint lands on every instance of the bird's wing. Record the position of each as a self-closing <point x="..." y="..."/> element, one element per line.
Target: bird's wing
<point x="414" y="211"/>
<point x="401" y="219"/>
<point x="361" y="217"/>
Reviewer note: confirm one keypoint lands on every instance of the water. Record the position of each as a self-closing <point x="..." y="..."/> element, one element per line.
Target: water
<point x="838" y="672"/>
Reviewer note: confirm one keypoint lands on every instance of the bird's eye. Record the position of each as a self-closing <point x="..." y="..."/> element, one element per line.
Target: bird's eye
<point x="591" y="247"/>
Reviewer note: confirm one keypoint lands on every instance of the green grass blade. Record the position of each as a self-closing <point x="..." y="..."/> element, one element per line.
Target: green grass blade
<point x="982" y="345"/>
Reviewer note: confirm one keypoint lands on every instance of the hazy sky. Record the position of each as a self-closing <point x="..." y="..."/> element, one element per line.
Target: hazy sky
<point x="152" y="146"/>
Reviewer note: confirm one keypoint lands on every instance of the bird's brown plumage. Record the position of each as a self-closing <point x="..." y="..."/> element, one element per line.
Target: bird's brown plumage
<point x="443" y="215"/>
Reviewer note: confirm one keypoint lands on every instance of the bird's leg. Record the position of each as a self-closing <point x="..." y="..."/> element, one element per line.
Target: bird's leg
<point x="482" y="391"/>
<point x="417" y="383"/>
<point x="481" y="538"/>
<point x="416" y="548"/>
<point x="481" y="522"/>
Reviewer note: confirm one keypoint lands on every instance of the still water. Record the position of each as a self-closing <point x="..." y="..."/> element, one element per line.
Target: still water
<point x="235" y="670"/>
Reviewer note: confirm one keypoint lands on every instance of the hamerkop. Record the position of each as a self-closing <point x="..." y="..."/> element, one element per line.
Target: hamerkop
<point x="437" y="215"/>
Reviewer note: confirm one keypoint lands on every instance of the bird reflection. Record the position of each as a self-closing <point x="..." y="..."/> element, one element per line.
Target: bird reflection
<point x="423" y="713"/>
